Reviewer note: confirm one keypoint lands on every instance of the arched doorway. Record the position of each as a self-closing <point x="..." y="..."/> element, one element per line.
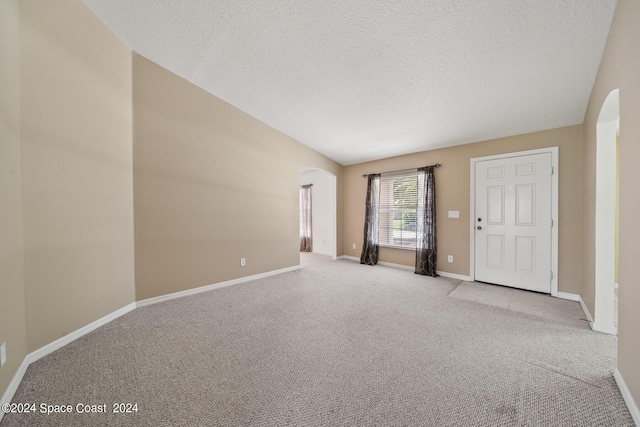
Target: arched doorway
<point x="606" y="215"/>
<point x="324" y="210"/>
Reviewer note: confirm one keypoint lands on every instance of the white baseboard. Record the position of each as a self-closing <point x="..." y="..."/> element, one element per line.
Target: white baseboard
<point x="585" y="309"/>
<point x="382" y="263"/>
<point x="455" y="276"/>
<point x="59" y="343"/>
<point x="393" y="265"/>
<point x="13" y="385"/>
<point x="605" y="329"/>
<point x="206" y="288"/>
<point x="349" y="257"/>
<point x="409" y="268"/>
<point x="594" y="325"/>
<point x="569" y="296"/>
<point x="628" y="398"/>
<point x="563" y="295"/>
<point x="56" y="345"/>
<point x="50" y="348"/>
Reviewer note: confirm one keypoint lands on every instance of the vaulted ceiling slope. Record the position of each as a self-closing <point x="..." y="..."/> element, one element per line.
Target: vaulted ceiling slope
<point x="363" y="80"/>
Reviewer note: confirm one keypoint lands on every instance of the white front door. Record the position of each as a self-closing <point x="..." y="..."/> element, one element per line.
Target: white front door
<point x="513" y="222"/>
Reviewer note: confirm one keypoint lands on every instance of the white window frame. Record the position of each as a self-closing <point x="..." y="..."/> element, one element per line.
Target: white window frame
<point x="388" y="177"/>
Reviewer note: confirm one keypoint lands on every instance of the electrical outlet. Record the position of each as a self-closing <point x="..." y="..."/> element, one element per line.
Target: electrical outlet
<point x="354" y="246"/>
<point x="450" y="258"/>
<point x="3" y="353"/>
<point x="243" y="262"/>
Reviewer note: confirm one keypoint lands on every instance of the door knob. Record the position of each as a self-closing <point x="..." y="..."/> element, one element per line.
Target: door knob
<point x="479" y="227"/>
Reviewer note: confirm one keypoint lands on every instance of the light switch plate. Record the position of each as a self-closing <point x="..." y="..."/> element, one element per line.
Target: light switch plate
<point x="3" y="353"/>
<point x="454" y="214"/>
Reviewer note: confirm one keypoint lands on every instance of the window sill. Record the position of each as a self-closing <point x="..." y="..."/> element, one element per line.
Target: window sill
<point x="404" y="248"/>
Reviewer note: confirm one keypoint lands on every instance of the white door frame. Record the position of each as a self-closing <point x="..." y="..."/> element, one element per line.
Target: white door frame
<point x="605" y="214"/>
<point x="554" y="209"/>
<point x="332" y="208"/>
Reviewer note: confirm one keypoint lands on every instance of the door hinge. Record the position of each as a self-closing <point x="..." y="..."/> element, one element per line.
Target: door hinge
<point x="551" y="275"/>
<point x="551" y="170"/>
<point x="551" y="222"/>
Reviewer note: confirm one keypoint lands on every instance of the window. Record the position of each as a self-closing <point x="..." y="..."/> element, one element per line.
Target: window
<point x="398" y="209"/>
<point x="306" y="240"/>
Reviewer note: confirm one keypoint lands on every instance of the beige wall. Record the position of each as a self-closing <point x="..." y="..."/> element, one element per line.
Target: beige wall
<point x="12" y="305"/>
<point x="619" y="69"/>
<point x="77" y="174"/>
<point x="68" y="109"/>
<point x="212" y="184"/>
<point x="452" y="189"/>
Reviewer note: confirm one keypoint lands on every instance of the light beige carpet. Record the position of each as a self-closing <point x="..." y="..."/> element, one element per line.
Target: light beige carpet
<point x="332" y="344"/>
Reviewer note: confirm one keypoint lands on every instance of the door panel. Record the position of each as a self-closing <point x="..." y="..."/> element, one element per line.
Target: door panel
<point x="495" y="205"/>
<point x="525" y="169"/>
<point x="525" y="204"/>
<point x="525" y="254"/>
<point x="495" y="251"/>
<point x="495" y="172"/>
<point x="513" y="222"/>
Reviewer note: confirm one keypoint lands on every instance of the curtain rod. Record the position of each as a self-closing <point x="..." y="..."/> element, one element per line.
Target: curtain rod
<point x="437" y="165"/>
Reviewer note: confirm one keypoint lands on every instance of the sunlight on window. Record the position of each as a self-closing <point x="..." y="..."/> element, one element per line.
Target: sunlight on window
<point x="398" y="209"/>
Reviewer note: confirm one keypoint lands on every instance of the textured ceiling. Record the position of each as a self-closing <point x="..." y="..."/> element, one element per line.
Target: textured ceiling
<point x="363" y="80"/>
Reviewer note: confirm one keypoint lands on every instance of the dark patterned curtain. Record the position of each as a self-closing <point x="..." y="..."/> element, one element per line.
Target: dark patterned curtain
<point x="370" y="247"/>
<point x="427" y="242"/>
<point x="306" y="241"/>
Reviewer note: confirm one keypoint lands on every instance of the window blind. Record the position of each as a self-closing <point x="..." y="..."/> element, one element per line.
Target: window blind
<point x="398" y="209"/>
